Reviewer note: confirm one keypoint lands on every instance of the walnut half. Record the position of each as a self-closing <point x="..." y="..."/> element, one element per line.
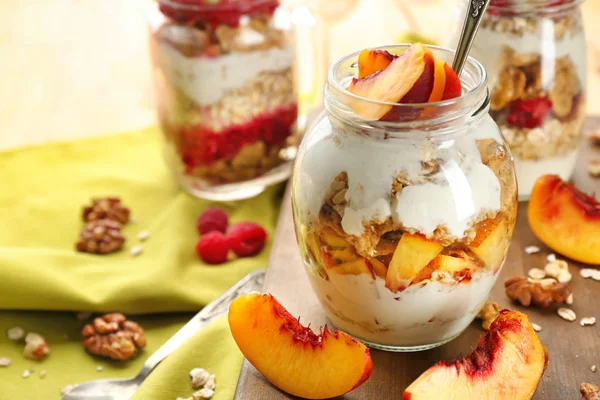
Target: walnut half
<point x="589" y="391"/>
<point x="113" y="336"/>
<point x="528" y="292"/>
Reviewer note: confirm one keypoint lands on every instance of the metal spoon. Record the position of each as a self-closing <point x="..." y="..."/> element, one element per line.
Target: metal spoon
<point x="473" y="18"/>
<point x="123" y="389"/>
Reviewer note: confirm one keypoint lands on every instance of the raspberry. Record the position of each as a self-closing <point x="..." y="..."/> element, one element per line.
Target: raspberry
<point x="212" y="219"/>
<point x="213" y="248"/>
<point x="246" y="238"/>
<point x="529" y="113"/>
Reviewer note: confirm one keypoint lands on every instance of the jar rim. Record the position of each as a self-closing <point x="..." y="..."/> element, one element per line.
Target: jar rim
<point x="472" y="103"/>
<point x="533" y="6"/>
<point x="201" y="6"/>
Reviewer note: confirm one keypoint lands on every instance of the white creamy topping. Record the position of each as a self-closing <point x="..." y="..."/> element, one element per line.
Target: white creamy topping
<point x="461" y="194"/>
<point x="205" y="79"/>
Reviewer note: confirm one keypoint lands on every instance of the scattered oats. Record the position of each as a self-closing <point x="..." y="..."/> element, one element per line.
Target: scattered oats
<point x="199" y="377"/>
<point x="593" y="368"/>
<point x="83" y="315"/>
<point x="135" y="251"/>
<point x="564" y="277"/>
<point x="547" y="282"/>
<point x="67" y="389"/>
<point x="569" y="299"/>
<point x="532" y="249"/>
<point x="537" y="273"/>
<point x="203" y="394"/>
<point x="587" y="272"/>
<point x="558" y="269"/>
<point x="594" y="168"/>
<point x="26" y="373"/>
<point x="566" y="314"/>
<point x="31" y="370"/>
<point x="551" y="257"/>
<point x="43" y="374"/>
<point x="133" y="220"/>
<point x="210" y="383"/>
<point x="143" y="235"/>
<point x="587" y="321"/>
<point x="596" y="275"/>
<point x="99" y="368"/>
<point x="15" y="333"/>
<point x="5" y="361"/>
<point x="536" y="327"/>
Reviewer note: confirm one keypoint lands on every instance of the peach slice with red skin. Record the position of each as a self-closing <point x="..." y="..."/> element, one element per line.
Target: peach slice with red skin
<point x="452" y="87"/>
<point x="291" y="356"/>
<point x="439" y="82"/>
<point x="507" y="364"/>
<point x="491" y="241"/>
<point x="372" y="61"/>
<point x="565" y="219"/>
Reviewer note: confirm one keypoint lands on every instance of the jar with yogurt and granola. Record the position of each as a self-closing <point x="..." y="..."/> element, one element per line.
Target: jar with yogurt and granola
<point x="223" y="73"/>
<point x="404" y="197"/>
<point x="535" y="55"/>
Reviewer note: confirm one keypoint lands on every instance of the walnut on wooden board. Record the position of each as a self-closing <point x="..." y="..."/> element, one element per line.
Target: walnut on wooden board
<point x="589" y="391"/>
<point x="528" y="292"/>
<point x="113" y="336"/>
<point x="100" y="237"/>
<point x="106" y="208"/>
<point x="488" y="314"/>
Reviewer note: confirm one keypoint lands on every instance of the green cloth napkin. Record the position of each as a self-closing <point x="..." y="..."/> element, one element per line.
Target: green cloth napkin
<point x="212" y="348"/>
<point x="42" y="190"/>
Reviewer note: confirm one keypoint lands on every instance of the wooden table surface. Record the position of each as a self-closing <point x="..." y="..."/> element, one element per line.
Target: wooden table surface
<point x="572" y="349"/>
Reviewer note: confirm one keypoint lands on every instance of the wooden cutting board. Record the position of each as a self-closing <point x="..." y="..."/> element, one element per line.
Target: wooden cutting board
<point x="572" y="349"/>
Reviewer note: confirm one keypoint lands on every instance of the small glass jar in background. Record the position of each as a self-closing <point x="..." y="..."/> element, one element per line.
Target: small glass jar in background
<point x="223" y="73"/>
<point x="535" y="54"/>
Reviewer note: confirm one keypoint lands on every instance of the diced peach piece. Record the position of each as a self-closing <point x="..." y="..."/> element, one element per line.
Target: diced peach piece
<point x="344" y="255"/>
<point x="372" y="61"/>
<point x="328" y="261"/>
<point x="389" y="85"/>
<point x="378" y="267"/>
<point x="314" y="246"/>
<point x="439" y="82"/>
<point x="507" y="364"/>
<point x="422" y="88"/>
<point x="491" y="241"/>
<point x="451" y="264"/>
<point x="413" y="253"/>
<point x="565" y="219"/>
<point x="453" y="86"/>
<point x="291" y="356"/>
<point x="332" y="239"/>
<point x="356" y="267"/>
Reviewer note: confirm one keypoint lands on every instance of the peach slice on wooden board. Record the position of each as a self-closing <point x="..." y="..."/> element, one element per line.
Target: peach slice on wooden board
<point x="291" y="356"/>
<point x="508" y="363"/>
<point x="390" y="84"/>
<point x="565" y="219"/>
<point x="413" y="253"/>
<point x="490" y="241"/>
<point x="372" y="61"/>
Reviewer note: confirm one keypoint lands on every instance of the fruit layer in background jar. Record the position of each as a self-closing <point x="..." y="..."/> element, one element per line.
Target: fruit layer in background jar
<point x="225" y="88"/>
<point x="535" y="55"/>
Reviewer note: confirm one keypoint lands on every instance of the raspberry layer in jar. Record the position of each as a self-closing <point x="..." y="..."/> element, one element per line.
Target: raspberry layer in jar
<point x="223" y="74"/>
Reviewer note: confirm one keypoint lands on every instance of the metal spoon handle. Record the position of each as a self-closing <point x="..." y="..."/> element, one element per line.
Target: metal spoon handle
<point x="251" y="282"/>
<point x="475" y="12"/>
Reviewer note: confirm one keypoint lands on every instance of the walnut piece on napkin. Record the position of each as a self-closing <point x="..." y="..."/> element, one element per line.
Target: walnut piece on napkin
<point x="113" y="336"/>
<point x="106" y="208"/>
<point x="102" y="236"/>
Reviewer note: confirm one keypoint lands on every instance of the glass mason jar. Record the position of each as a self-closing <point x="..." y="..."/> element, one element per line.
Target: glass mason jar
<point x="535" y="55"/>
<point x="223" y="73"/>
<point x="403" y="225"/>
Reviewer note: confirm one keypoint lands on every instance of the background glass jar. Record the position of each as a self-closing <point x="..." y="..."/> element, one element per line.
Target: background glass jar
<point x="535" y="55"/>
<point x="223" y="73"/>
<point x="404" y="226"/>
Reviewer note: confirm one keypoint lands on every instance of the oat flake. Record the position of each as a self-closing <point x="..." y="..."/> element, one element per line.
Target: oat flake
<point x="566" y="314"/>
<point x="15" y="333"/>
<point x="569" y="299"/>
<point x="536" y="327"/>
<point x="532" y="249"/>
<point x="587" y="321"/>
<point x="551" y="257"/>
<point x="536" y="273"/>
<point x="593" y="368"/>
<point x="26" y="373"/>
<point x="143" y="235"/>
<point x="43" y="374"/>
<point x="587" y="272"/>
<point x="5" y="361"/>
<point x="135" y="251"/>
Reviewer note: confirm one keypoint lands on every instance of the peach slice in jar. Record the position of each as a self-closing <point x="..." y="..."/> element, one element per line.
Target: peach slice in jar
<point x="491" y="241"/>
<point x="508" y="363"/>
<point x="565" y="219"/>
<point x="291" y="356"/>
<point x="372" y="61"/>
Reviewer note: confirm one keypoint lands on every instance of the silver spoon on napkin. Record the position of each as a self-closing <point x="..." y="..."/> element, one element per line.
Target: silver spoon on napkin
<point x="123" y="389"/>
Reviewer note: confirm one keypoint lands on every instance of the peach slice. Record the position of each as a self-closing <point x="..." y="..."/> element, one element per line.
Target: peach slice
<point x="422" y="88"/>
<point x="452" y="264"/>
<point x="332" y="239"/>
<point x="291" y="356"/>
<point x="314" y="245"/>
<point x="413" y="253"/>
<point x="453" y="86"/>
<point x="508" y="363"/>
<point x="439" y="82"/>
<point x="344" y="255"/>
<point x="391" y="84"/>
<point x="378" y="267"/>
<point x="490" y="241"/>
<point x="356" y="267"/>
<point x="372" y="61"/>
<point x="565" y="219"/>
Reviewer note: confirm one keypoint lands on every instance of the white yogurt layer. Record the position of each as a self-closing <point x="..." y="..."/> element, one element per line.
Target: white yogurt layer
<point x="488" y="43"/>
<point x="528" y="171"/>
<point x="464" y="187"/>
<point x="205" y="79"/>
<point x="420" y="315"/>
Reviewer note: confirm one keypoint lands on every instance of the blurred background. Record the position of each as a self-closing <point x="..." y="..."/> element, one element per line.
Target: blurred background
<point x="72" y="68"/>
